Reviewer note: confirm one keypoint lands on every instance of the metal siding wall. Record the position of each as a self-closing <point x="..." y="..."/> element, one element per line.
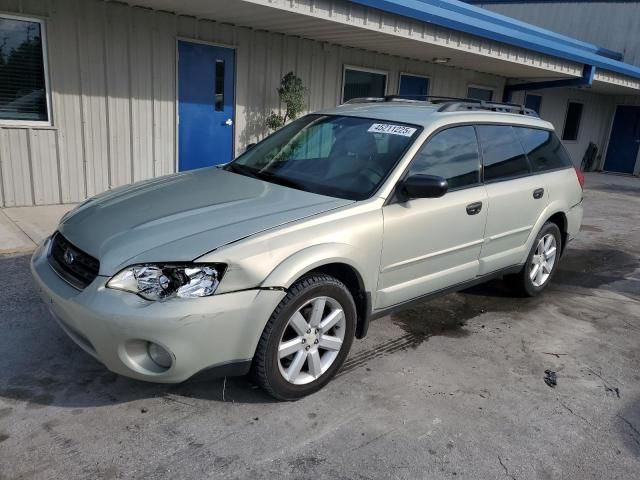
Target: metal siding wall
<point x="44" y="165"/>
<point x="16" y="168"/>
<point x="596" y="120"/>
<point x="113" y="78"/>
<point x="164" y="92"/>
<point x="613" y="25"/>
<point x="67" y="112"/>
<point x="94" y="95"/>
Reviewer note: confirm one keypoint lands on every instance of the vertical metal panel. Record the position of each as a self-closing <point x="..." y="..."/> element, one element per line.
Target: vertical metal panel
<point x="91" y="32"/>
<point x="16" y="171"/>
<point x="118" y="94"/>
<point x="141" y="94"/>
<point x="164" y="93"/>
<point x="44" y="165"/>
<point x="67" y="112"/>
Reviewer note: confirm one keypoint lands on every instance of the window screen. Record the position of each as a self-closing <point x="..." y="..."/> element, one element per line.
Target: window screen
<point x="358" y="83"/>
<point x="23" y="93"/>
<point x="544" y="150"/>
<point x="452" y="154"/>
<point x="502" y="153"/>
<point x="480" y="93"/>
<point x="572" y="121"/>
<point x="413" y="85"/>
<point x="534" y="102"/>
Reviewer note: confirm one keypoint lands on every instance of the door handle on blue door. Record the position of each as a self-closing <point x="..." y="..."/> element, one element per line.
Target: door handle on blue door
<point x="474" y="208"/>
<point x="538" y="193"/>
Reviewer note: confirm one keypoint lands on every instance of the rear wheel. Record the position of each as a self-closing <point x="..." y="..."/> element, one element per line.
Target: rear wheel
<point x="541" y="263"/>
<point x="307" y="338"/>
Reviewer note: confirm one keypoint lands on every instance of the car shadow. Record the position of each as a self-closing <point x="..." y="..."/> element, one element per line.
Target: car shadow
<point x="42" y="366"/>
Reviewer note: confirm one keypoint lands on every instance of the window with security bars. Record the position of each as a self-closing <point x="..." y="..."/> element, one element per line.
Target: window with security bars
<point x="23" y="92"/>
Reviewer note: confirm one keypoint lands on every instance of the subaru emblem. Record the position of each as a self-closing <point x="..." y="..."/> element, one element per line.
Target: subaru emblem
<point x="69" y="257"/>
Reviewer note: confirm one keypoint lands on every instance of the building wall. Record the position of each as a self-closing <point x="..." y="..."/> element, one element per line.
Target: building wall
<point x="112" y="73"/>
<point x="596" y="120"/>
<point x="610" y="24"/>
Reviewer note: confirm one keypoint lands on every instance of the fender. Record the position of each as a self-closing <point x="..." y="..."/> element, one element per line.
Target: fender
<point x="303" y="261"/>
<point x="555" y="206"/>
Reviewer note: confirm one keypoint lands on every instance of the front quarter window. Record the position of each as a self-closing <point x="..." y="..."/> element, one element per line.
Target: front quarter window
<point x="339" y="156"/>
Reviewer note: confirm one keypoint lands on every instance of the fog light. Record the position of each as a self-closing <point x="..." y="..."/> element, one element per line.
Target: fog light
<point x="159" y="355"/>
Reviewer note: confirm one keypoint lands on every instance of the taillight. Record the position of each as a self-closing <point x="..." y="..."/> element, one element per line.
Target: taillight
<point x="580" y="176"/>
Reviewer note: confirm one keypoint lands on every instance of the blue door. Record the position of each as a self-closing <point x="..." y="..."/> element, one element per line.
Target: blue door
<point x="205" y="105"/>
<point x="624" y="141"/>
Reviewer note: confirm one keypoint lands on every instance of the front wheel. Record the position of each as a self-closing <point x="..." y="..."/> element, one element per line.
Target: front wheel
<point x="306" y="339"/>
<point x="541" y="263"/>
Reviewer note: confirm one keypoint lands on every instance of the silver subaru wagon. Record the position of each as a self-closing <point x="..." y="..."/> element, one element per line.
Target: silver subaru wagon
<point x="273" y="263"/>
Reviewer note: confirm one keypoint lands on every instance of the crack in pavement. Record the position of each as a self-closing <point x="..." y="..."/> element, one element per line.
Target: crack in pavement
<point x="575" y="414"/>
<point x="631" y="426"/>
<point x="506" y="470"/>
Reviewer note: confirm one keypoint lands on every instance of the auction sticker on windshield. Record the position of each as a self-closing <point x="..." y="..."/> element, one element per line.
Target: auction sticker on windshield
<point x="392" y="129"/>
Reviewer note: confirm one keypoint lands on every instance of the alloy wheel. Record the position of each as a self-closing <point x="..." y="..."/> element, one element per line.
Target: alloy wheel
<point x="311" y="341"/>
<point x="543" y="260"/>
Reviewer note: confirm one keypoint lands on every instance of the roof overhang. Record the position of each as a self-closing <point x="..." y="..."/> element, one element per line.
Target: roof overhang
<point x="354" y="24"/>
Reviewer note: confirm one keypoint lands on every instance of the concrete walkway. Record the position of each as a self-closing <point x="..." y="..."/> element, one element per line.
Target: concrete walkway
<point x="22" y="228"/>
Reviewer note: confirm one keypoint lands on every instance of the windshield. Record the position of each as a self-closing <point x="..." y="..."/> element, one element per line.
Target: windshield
<point x="345" y="157"/>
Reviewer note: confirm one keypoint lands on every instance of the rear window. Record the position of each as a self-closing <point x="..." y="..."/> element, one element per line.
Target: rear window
<point x="543" y="148"/>
<point x="502" y="153"/>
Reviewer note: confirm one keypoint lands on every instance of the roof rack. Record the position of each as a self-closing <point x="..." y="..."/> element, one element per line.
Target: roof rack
<point x="451" y="104"/>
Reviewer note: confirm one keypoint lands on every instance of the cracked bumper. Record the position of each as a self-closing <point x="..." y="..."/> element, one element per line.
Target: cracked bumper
<point x="111" y="325"/>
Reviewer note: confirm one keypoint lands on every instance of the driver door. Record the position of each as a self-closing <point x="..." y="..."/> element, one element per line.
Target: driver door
<point x="433" y="243"/>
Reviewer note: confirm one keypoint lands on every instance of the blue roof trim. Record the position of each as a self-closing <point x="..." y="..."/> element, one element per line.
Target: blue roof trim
<point x="494" y="2"/>
<point x="482" y="23"/>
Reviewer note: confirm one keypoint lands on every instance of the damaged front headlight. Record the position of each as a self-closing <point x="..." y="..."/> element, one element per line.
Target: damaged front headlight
<point x="160" y="282"/>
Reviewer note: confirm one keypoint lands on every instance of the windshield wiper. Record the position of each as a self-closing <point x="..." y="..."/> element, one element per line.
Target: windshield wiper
<point x="273" y="178"/>
<point x="242" y="170"/>
<point x="263" y="175"/>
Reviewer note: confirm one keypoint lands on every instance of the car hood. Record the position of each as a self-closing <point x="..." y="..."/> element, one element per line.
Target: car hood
<point x="180" y="217"/>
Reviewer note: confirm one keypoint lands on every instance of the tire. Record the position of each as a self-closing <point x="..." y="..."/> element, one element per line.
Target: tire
<point x="530" y="282"/>
<point x="314" y="352"/>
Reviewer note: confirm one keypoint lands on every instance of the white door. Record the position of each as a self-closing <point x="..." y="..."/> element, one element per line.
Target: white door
<point x="516" y="197"/>
<point x="433" y="243"/>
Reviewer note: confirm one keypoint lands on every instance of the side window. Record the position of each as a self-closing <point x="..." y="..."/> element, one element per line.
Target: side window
<point x="452" y="154"/>
<point x="502" y="153"/>
<point x="544" y="150"/>
<point x="23" y="86"/>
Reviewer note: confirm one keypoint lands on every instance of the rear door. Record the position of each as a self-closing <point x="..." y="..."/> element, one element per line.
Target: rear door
<point x="516" y="197"/>
<point x="433" y="243"/>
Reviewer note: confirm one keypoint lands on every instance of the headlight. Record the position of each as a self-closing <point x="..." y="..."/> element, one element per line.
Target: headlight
<point x="159" y="282"/>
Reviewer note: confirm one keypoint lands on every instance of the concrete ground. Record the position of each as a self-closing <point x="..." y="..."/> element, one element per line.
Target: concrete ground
<point x="22" y="228"/>
<point x="450" y="389"/>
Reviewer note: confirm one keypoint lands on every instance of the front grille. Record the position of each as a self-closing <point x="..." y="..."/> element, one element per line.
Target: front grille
<point x="71" y="263"/>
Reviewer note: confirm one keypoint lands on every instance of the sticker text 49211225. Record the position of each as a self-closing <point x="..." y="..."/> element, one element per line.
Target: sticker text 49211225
<point x="392" y="129"/>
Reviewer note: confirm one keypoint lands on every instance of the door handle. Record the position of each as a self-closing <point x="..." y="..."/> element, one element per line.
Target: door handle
<point x="538" y="193"/>
<point x="474" y="208"/>
<point x="228" y="122"/>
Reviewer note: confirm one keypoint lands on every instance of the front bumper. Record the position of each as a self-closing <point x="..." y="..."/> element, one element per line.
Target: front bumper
<point x="114" y="326"/>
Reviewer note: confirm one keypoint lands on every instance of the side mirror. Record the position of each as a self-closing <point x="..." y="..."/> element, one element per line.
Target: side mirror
<point x="249" y="146"/>
<point x="424" y="186"/>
